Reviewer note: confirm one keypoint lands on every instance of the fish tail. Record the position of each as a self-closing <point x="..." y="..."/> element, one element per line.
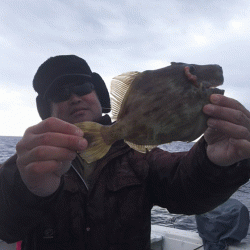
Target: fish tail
<point x="97" y="147"/>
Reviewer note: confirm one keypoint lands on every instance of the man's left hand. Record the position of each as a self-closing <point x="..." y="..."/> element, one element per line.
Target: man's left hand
<point x="228" y="133"/>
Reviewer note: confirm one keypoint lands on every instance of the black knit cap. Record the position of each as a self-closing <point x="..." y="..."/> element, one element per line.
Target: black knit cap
<point x="66" y="69"/>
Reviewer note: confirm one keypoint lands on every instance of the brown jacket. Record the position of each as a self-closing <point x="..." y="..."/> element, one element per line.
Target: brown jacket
<point x="114" y="213"/>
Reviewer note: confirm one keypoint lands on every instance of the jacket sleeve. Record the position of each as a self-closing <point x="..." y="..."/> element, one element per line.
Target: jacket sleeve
<point x="20" y="210"/>
<point x="189" y="183"/>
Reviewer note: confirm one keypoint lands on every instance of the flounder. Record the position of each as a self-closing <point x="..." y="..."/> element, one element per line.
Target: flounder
<point x="155" y="107"/>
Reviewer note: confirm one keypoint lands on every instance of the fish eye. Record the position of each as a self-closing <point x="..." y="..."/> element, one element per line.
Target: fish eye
<point x="192" y="69"/>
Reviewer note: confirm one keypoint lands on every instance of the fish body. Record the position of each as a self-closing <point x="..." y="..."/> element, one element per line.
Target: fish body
<point x="155" y="107"/>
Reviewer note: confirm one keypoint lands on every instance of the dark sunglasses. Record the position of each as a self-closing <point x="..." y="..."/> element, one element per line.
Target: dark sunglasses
<point x="64" y="92"/>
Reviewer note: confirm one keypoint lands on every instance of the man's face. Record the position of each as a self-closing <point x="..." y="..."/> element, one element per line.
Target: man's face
<point x="78" y="108"/>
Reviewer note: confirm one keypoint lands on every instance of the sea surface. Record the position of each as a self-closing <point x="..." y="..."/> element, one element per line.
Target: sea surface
<point x="160" y="216"/>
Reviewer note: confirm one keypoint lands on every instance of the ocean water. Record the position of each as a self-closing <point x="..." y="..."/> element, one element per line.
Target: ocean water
<point x="8" y="146"/>
<point x="160" y="216"/>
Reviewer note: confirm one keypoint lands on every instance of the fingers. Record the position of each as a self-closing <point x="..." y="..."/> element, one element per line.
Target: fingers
<point x="43" y="178"/>
<point x="52" y="140"/>
<point x="52" y="132"/>
<point x="53" y="124"/>
<point x="231" y="103"/>
<point x="228" y="133"/>
<point x="228" y="128"/>
<point x="45" y="154"/>
<point x="40" y="168"/>
<point x="75" y="143"/>
<point x="228" y="116"/>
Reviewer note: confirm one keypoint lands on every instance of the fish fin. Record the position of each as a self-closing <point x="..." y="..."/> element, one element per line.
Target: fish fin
<point x="97" y="148"/>
<point x="141" y="148"/>
<point x="118" y="88"/>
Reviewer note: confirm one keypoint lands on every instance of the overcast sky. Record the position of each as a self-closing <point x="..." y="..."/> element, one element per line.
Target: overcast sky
<point x="115" y="37"/>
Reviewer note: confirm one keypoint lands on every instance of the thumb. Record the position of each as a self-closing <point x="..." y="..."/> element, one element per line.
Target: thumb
<point x="63" y="168"/>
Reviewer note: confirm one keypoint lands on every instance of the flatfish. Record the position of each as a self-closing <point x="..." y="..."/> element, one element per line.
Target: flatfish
<point x="155" y="107"/>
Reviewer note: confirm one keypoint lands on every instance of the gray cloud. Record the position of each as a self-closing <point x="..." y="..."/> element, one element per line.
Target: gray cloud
<point x="115" y="37"/>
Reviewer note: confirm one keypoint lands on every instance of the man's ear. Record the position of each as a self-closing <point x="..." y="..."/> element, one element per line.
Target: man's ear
<point x="43" y="107"/>
<point x="101" y="91"/>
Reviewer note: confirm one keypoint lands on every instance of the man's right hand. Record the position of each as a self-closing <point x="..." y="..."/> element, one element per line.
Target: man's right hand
<point x="45" y="153"/>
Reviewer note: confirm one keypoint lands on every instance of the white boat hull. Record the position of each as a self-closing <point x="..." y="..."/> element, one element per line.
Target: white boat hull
<point x="165" y="238"/>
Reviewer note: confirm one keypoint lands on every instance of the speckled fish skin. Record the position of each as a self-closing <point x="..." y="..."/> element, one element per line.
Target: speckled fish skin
<point x="163" y="105"/>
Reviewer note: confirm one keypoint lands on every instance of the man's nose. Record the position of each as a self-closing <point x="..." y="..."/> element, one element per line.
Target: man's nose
<point x="74" y="98"/>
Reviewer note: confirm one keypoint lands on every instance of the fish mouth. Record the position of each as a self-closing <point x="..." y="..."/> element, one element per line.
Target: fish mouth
<point x="212" y="86"/>
<point x="217" y="91"/>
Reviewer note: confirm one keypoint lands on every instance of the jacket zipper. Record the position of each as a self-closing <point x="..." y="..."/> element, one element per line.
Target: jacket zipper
<point x="112" y="156"/>
<point x="80" y="177"/>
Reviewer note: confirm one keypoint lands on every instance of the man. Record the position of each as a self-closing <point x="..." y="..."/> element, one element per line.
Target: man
<point x="51" y="199"/>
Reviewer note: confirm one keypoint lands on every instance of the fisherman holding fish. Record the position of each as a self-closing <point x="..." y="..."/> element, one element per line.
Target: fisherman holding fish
<point x="56" y="194"/>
